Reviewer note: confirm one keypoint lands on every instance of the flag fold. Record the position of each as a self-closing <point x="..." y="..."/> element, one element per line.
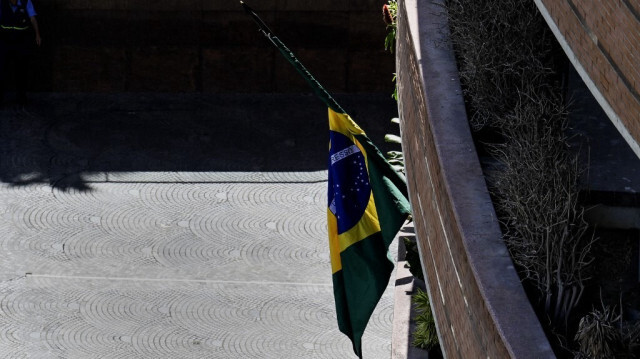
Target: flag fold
<point x="367" y="205"/>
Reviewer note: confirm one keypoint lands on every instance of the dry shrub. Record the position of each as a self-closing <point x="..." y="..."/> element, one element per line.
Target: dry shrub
<point x="602" y="334"/>
<point x="500" y="46"/>
<point x="598" y="334"/>
<point x="631" y="335"/>
<point x="537" y="199"/>
<point x="505" y="55"/>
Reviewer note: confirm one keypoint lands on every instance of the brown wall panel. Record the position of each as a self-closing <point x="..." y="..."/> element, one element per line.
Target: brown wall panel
<point x="604" y="36"/>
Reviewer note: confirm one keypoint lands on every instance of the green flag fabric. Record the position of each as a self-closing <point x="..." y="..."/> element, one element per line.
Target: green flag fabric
<point x="367" y="205"/>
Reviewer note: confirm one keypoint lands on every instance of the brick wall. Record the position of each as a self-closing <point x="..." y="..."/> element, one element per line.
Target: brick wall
<point x="479" y="305"/>
<point x="208" y="45"/>
<point x="604" y="36"/>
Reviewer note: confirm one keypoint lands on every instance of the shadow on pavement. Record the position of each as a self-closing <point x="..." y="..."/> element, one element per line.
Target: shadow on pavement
<point x="70" y="140"/>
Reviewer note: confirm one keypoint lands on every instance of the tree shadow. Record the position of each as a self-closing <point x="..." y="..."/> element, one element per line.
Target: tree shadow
<point x="72" y="140"/>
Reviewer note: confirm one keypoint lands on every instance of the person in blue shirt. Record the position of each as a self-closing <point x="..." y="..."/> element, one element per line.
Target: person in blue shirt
<point x="19" y="32"/>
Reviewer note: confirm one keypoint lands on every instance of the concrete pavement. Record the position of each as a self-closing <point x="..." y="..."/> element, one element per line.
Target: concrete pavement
<point x="172" y="226"/>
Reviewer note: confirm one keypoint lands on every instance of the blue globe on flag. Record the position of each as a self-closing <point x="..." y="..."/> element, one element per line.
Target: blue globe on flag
<point x="349" y="187"/>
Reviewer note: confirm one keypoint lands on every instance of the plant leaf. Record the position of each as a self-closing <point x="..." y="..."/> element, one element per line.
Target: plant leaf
<point x="392" y="138"/>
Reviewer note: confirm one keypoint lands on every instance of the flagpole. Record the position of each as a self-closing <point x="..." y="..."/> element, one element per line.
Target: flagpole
<point x="288" y="54"/>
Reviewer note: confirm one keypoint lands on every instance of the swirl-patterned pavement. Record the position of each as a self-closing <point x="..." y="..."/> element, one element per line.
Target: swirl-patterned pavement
<point x="146" y="228"/>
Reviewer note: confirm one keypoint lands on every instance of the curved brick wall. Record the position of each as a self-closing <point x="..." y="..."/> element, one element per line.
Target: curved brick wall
<point x="479" y="304"/>
<point x="602" y="39"/>
<point x="208" y="45"/>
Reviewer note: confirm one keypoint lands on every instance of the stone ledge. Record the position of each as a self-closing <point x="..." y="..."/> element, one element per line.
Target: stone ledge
<point x="487" y="313"/>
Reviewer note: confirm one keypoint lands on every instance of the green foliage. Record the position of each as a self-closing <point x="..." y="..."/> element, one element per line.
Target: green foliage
<point x="390" y="12"/>
<point x="426" y="335"/>
<point x="395" y="158"/>
<point x="394" y="154"/>
<point x="392" y="138"/>
<point x="394" y="95"/>
<point x="390" y="39"/>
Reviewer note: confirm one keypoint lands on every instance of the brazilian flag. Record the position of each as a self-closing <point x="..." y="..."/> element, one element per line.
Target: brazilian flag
<point x="367" y="205"/>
